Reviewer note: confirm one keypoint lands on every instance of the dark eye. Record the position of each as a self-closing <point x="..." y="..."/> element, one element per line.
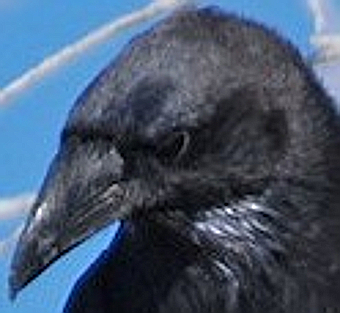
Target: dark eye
<point x="173" y="147"/>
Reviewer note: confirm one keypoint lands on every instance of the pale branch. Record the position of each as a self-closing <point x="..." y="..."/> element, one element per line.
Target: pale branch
<point x="7" y="243"/>
<point x="75" y="50"/>
<point x="15" y="206"/>
<point x="327" y="44"/>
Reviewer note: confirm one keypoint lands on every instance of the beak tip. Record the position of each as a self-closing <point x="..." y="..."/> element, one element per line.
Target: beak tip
<point x="18" y="279"/>
<point x="14" y="287"/>
<point x="12" y="294"/>
<point x="23" y="269"/>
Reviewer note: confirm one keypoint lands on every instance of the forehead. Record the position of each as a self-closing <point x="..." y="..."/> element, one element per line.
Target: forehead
<point x="151" y="88"/>
<point x="174" y="75"/>
<point x="153" y="103"/>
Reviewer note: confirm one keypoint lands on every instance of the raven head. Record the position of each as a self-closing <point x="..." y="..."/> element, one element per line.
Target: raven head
<point x="202" y="111"/>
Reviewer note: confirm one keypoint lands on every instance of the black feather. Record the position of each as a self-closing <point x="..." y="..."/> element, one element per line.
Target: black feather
<point x="213" y="142"/>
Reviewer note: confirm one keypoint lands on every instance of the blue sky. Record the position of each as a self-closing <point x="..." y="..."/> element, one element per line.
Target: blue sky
<point x="30" y="125"/>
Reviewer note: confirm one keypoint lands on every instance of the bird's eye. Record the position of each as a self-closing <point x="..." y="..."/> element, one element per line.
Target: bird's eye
<point x="173" y="147"/>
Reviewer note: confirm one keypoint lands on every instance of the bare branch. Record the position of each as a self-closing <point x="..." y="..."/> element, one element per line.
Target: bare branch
<point x="327" y="44"/>
<point x="318" y="10"/>
<point x="328" y="47"/>
<point x="74" y="51"/>
<point x="15" y="206"/>
<point x="8" y="243"/>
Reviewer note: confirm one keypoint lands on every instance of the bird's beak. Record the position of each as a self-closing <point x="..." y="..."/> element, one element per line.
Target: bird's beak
<point x="82" y="193"/>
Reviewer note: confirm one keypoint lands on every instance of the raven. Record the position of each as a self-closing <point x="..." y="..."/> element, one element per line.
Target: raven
<point x="215" y="145"/>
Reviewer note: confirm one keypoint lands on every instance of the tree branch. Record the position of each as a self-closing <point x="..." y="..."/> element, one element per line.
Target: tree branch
<point x="75" y="50"/>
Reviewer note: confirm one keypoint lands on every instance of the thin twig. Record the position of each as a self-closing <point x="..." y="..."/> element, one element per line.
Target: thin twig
<point x="8" y="243"/>
<point x="327" y="44"/>
<point x="74" y="51"/>
<point x="15" y="206"/>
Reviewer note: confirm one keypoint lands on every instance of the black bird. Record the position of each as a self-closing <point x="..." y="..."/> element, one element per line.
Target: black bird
<point x="214" y="144"/>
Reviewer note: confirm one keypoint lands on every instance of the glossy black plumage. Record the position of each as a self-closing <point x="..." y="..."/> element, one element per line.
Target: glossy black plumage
<point x="214" y="143"/>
